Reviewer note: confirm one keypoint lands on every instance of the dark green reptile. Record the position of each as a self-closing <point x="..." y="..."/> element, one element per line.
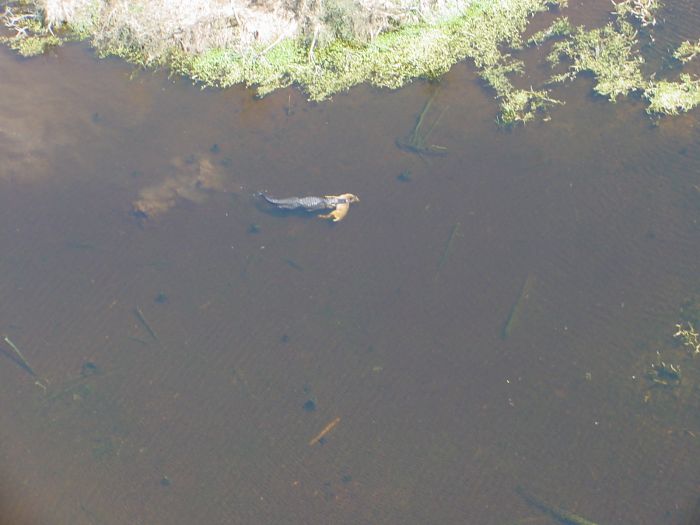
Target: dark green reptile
<point x="340" y="204"/>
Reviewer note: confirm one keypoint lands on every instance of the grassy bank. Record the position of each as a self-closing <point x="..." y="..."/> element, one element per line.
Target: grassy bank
<point x="327" y="46"/>
<point x="392" y="59"/>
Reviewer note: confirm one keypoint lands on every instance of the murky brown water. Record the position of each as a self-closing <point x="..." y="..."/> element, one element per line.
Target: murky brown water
<point x="267" y="328"/>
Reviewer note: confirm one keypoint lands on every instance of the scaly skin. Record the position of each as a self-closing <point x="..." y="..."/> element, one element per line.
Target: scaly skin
<point x="300" y="203"/>
<point x="339" y="203"/>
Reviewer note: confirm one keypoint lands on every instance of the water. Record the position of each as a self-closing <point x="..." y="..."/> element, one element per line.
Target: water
<point x="395" y="320"/>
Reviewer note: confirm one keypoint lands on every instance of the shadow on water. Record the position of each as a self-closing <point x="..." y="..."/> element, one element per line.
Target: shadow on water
<point x="482" y="320"/>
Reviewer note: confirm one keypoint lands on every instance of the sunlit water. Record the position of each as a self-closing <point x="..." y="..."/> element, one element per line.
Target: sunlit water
<point x="480" y="321"/>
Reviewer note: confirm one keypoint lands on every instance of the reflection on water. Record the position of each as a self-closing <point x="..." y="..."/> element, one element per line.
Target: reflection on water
<point x="483" y="320"/>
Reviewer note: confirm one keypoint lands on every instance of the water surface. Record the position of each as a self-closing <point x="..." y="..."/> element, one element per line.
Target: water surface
<point x="480" y="321"/>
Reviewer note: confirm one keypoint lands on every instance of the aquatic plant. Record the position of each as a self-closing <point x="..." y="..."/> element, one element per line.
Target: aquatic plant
<point x="417" y="139"/>
<point x="671" y="98"/>
<point x="644" y="11"/>
<point x="560" y="27"/>
<point x="687" y="335"/>
<point x="687" y="51"/>
<point x="605" y="52"/>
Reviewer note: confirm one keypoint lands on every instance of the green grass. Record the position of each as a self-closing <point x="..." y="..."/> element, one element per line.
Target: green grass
<point x="348" y="52"/>
<point x="33" y="45"/>
<point x="391" y="60"/>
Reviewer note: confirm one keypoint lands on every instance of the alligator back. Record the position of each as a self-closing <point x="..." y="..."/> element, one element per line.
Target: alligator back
<point x="300" y="203"/>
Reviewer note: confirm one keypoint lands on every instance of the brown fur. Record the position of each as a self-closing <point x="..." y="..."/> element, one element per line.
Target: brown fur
<point x="341" y="210"/>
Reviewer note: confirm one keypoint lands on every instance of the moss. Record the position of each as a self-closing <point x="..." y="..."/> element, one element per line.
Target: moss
<point x="671" y="98"/>
<point x="608" y="54"/>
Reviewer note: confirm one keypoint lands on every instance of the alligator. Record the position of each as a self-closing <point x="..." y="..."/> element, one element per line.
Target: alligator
<point x="340" y="204"/>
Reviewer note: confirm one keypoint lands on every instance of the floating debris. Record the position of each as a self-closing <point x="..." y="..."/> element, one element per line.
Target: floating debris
<point x="146" y="325"/>
<point x="516" y="310"/>
<point x="326" y="430"/>
<point x="688" y="336"/>
<point x="454" y="231"/>
<point x="18" y="356"/>
<point x="664" y="374"/>
<point x="292" y="264"/>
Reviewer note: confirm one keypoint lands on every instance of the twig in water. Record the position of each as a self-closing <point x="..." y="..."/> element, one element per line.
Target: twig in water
<point x="330" y="426"/>
<point x="448" y="247"/>
<point x="21" y="359"/>
<point x="518" y="306"/>
<point x="142" y="319"/>
<point x="560" y="515"/>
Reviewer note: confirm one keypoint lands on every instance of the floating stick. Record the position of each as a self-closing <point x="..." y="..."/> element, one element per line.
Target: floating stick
<point x="448" y="247"/>
<point x="293" y="264"/>
<point x="517" y="308"/>
<point x="142" y="319"/>
<point x="560" y="515"/>
<point x="330" y="426"/>
<point x="21" y="359"/>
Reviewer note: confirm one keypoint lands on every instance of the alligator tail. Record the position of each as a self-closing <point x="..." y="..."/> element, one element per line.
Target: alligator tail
<point x="296" y="203"/>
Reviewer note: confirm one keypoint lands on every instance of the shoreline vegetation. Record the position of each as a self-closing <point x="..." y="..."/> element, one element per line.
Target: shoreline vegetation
<point x="328" y="46"/>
